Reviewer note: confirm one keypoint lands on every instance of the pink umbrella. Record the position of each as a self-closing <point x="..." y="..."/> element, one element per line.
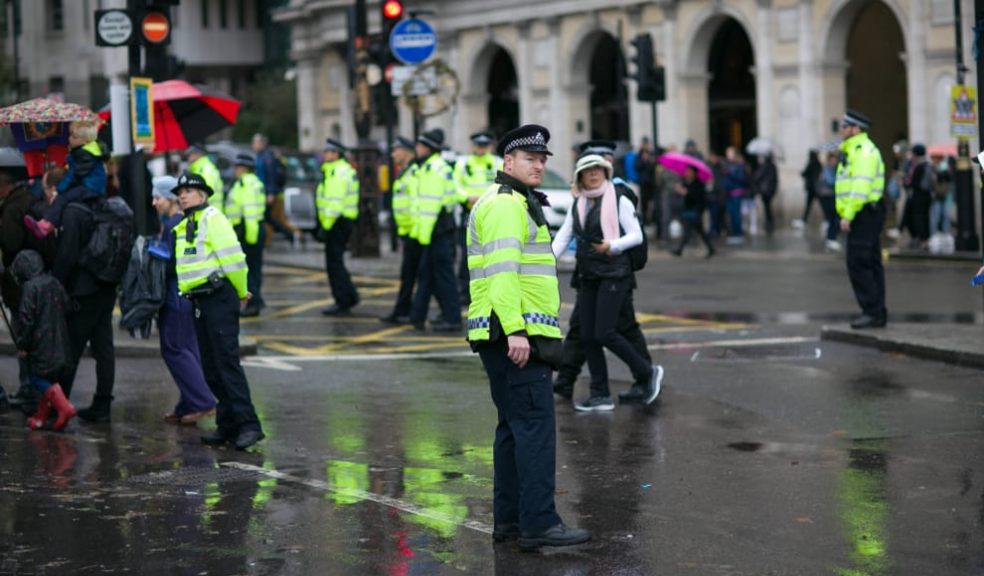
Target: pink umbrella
<point x="678" y="163"/>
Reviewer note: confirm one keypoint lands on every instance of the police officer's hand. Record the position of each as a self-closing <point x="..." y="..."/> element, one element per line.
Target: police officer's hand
<point x="519" y="350"/>
<point x="472" y="200"/>
<point x="845" y="225"/>
<point x="244" y="301"/>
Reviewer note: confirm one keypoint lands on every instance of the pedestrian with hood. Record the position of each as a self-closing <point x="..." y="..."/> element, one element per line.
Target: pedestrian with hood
<point x="337" y="204"/>
<point x="605" y="226"/>
<point x="513" y="325"/>
<point x="404" y="214"/>
<point x="736" y="186"/>
<point x="176" y="319"/>
<point x="694" y="194"/>
<point x="212" y="273"/>
<point x="434" y="229"/>
<point x="766" y="185"/>
<point x="41" y="337"/>
<point x="811" y="178"/>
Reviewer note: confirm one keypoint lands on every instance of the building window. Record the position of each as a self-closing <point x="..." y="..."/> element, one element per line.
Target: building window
<point x="205" y="13"/>
<point x="223" y="13"/>
<point x="56" y="12"/>
<point x="241" y="13"/>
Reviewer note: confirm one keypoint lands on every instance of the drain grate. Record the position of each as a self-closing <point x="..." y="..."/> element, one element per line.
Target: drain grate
<point x="194" y="476"/>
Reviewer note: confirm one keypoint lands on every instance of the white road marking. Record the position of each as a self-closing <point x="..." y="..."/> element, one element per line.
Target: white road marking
<point x="733" y="343"/>
<point x="694" y="357"/>
<point x="396" y="503"/>
<point x="271" y="362"/>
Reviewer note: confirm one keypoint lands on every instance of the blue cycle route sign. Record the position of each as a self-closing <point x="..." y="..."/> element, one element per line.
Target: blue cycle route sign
<point x="413" y="41"/>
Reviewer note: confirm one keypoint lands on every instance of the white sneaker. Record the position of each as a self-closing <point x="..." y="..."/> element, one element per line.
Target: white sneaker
<point x="655" y="385"/>
<point x="798" y="224"/>
<point x="892" y="233"/>
<point x="833" y="246"/>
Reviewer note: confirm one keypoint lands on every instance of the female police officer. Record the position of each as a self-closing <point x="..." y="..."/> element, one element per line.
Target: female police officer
<point x="211" y="270"/>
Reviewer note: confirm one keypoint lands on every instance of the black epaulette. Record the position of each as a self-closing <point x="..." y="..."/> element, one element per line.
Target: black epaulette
<point x="503" y="189"/>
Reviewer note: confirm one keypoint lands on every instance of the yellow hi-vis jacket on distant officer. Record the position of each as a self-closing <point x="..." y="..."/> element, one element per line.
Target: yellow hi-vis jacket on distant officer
<point x="474" y="174"/>
<point x="405" y="199"/>
<point x="204" y="167"/>
<point x="436" y="193"/>
<point x="512" y="269"/>
<point x="337" y="195"/>
<point x="245" y="207"/>
<point x="212" y="249"/>
<point x="860" y="176"/>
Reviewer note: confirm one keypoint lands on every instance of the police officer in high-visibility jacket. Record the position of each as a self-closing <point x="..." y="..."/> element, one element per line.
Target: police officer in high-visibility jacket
<point x="858" y="190"/>
<point x="245" y="207"/>
<point x="211" y="271"/>
<point x="404" y="200"/>
<point x="199" y="163"/>
<point x="337" y="203"/>
<point x="513" y="324"/>
<point x="434" y="229"/>
<point x="473" y="174"/>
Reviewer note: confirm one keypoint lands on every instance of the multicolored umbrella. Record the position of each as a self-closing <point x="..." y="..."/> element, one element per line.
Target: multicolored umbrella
<point x="45" y="111"/>
<point x="678" y="163"/>
<point x="185" y="114"/>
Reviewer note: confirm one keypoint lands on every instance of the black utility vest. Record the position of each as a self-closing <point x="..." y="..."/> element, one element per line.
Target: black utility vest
<point x="590" y="264"/>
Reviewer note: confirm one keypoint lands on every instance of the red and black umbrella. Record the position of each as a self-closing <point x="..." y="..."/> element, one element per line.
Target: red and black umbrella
<point x="185" y="114"/>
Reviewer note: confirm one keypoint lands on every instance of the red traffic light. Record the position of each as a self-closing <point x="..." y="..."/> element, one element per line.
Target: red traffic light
<point x="392" y="10"/>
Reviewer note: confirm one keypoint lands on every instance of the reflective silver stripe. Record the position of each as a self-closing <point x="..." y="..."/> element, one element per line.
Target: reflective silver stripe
<point x="537" y="248"/>
<point x="523" y="270"/>
<point x="201" y="257"/>
<point x="234" y="266"/>
<point x="197" y="274"/>
<point x="494" y="245"/>
<point x="864" y="178"/>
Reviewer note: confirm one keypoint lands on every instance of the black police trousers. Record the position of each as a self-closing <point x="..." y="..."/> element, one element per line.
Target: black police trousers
<point x="409" y="265"/>
<point x="254" y="261"/>
<point x="524" y="452"/>
<point x="864" y="260"/>
<point x="217" y="328"/>
<point x="90" y="322"/>
<point x="574" y="355"/>
<point x="436" y="277"/>
<point x="336" y="240"/>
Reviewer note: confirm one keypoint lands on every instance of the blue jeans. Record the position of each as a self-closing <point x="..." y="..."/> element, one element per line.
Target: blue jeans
<point x="42" y="384"/>
<point x="734" y="216"/>
<point x="939" y="220"/>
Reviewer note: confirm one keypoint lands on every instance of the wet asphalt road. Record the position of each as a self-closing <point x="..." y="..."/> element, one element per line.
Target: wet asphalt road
<point x="770" y="453"/>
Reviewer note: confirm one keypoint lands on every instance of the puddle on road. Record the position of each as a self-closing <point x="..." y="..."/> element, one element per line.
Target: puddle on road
<point x="800" y="318"/>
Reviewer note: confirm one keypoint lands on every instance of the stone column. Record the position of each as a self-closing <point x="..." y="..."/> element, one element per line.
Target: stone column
<point x="765" y="109"/>
<point x="915" y="59"/>
<point x="310" y="138"/>
<point x="524" y="72"/>
<point x="561" y="131"/>
<point x="808" y="76"/>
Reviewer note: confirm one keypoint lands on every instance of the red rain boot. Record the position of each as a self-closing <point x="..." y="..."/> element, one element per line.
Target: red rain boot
<point x="65" y="410"/>
<point x="40" y="417"/>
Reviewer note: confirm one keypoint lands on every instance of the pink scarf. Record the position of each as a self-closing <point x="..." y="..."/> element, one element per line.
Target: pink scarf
<point x="609" y="211"/>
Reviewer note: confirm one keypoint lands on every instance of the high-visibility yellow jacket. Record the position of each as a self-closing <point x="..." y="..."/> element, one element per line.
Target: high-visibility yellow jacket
<point x="213" y="247"/>
<point x="512" y="269"/>
<point x="405" y="199"/>
<point x="338" y="193"/>
<point x="245" y="207"/>
<point x="436" y="193"/>
<point x="205" y="168"/>
<point x="860" y="176"/>
<point x="474" y="174"/>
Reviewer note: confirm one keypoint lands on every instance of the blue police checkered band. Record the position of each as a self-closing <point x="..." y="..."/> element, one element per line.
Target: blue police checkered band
<point x="538" y="318"/>
<point x="478" y="323"/>
<point x="534" y="140"/>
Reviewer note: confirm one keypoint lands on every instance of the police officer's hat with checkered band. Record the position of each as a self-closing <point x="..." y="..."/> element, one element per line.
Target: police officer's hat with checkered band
<point x="192" y="180"/>
<point x="530" y="138"/>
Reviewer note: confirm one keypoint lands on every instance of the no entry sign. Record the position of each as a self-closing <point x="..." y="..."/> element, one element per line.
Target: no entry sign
<point x="156" y="27"/>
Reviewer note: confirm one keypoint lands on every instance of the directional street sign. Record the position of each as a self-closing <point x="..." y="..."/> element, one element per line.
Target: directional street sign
<point x="113" y="28"/>
<point x="413" y="41"/>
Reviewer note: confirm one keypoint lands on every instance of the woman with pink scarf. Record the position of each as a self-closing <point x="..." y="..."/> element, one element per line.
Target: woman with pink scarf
<point x="605" y="226"/>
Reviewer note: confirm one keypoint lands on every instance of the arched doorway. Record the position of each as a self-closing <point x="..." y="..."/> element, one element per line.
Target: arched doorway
<point x="609" y="98"/>
<point x="731" y="91"/>
<point x="876" y="82"/>
<point x="503" y="92"/>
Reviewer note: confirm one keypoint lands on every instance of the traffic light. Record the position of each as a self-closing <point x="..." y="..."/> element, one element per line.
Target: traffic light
<point x="392" y="11"/>
<point x="650" y="79"/>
